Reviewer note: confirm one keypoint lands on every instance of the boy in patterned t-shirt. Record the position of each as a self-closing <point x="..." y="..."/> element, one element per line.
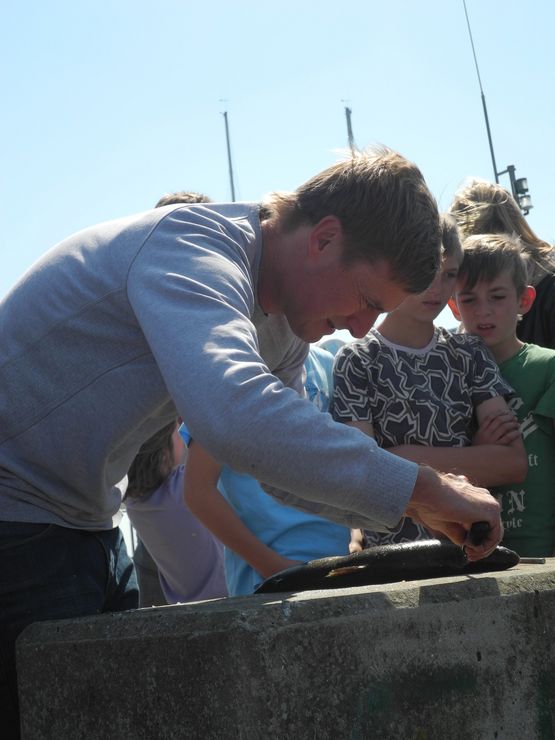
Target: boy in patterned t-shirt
<point x="422" y="392"/>
<point x="491" y="293"/>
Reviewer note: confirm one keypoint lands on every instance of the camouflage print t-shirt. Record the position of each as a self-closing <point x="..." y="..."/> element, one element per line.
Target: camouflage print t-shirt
<point x="422" y="396"/>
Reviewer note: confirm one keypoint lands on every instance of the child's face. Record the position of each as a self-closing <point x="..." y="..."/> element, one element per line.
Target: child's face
<point x="490" y="310"/>
<point x="428" y="305"/>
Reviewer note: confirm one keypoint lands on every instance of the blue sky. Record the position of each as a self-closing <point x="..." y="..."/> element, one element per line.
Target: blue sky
<point x="108" y="105"/>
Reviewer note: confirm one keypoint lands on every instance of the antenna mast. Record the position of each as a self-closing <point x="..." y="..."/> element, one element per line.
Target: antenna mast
<point x="350" y="137"/>
<point x="483" y="96"/>
<point x="229" y="163"/>
<point x="519" y="187"/>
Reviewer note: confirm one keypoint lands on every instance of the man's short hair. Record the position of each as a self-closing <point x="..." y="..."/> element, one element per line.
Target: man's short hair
<point x="450" y="238"/>
<point x="487" y="255"/>
<point x="385" y="209"/>
<point x="182" y="196"/>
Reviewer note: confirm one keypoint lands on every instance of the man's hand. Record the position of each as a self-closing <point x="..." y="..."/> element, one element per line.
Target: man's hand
<point x="450" y="504"/>
<point x="497" y="429"/>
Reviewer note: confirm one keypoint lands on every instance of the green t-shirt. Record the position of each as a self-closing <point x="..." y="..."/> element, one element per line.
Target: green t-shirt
<point x="528" y="508"/>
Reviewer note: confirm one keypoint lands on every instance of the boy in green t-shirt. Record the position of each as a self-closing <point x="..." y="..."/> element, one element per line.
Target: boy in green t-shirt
<point x="491" y="293"/>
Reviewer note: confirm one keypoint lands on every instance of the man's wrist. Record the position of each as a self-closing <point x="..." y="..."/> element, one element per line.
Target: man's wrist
<point x="424" y="491"/>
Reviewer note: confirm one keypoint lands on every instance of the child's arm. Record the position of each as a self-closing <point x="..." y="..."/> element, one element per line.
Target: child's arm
<point x="483" y="464"/>
<point x="210" y="507"/>
<point x="357" y="541"/>
<point x="500" y="428"/>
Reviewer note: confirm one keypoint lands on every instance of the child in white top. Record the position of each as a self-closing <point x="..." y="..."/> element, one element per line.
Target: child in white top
<point x="422" y="392"/>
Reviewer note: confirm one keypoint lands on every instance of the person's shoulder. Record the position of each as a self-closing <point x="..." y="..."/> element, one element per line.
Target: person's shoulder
<point x="215" y="211"/>
<point x="165" y="497"/>
<point x="331" y="344"/>
<point x="216" y="225"/>
<point x="362" y="349"/>
<point x="242" y="216"/>
<point x="462" y="342"/>
<point x="534" y="369"/>
<point x="532" y="362"/>
<point x="318" y="366"/>
<point x="535" y="354"/>
<point x="319" y="354"/>
<point x="471" y="349"/>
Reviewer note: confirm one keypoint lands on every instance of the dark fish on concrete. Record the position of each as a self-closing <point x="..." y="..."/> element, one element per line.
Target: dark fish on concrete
<point x="407" y="561"/>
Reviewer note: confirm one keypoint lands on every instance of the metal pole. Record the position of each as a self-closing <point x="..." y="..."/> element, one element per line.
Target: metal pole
<point x="229" y="164"/>
<point x="350" y="136"/>
<point x="483" y="96"/>
<point x="489" y="138"/>
<point x="511" y="170"/>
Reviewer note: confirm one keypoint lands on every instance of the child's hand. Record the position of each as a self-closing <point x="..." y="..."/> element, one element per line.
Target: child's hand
<point x="357" y="541"/>
<point x="498" y="429"/>
<point x="278" y="564"/>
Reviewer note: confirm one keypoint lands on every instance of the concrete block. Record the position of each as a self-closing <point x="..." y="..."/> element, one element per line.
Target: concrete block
<point x="463" y="657"/>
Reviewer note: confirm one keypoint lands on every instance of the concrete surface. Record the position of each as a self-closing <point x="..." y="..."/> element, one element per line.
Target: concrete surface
<point x="463" y="657"/>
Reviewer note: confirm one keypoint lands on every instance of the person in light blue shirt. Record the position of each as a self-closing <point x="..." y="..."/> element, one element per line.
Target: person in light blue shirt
<point x="262" y="536"/>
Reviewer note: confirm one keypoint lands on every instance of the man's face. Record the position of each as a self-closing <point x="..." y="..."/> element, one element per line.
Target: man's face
<point x="333" y="296"/>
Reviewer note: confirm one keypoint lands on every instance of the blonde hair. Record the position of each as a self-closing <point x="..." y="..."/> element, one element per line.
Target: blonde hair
<point x="450" y="237"/>
<point x="385" y="209"/>
<point x="483" y="207"/>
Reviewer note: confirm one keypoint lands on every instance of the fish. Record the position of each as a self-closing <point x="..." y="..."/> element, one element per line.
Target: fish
<point x="406" y="561"/>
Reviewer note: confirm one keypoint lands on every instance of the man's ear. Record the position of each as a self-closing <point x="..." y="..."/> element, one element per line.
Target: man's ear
<point x="323" y="235"/>
<point x="452" y="303"/>
<point x="527" y="299"/>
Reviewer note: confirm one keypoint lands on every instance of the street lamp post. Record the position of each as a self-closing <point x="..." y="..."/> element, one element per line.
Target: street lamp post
<point x="519" y="187"/>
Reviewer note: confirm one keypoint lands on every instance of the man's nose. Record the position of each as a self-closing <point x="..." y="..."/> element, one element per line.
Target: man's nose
<point x="360" y="323"/>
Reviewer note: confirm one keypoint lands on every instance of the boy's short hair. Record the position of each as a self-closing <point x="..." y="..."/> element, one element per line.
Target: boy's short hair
<point x="182" y="196"/>
<point x="450" y="237"/>
<point x="487" y="255"/>
<point x="385" y="209"/>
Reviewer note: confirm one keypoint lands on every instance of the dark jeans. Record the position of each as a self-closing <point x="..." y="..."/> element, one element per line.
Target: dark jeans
<point x="52" y="572"/>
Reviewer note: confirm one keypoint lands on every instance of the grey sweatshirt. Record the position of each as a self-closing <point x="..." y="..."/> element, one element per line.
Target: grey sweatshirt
<point x="123" y="323"/>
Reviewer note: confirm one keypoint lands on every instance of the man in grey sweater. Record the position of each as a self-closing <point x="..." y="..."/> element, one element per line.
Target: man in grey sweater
<point x="205" y="311"/>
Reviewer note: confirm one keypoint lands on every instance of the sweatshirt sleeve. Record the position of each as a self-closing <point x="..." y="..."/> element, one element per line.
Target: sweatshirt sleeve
<point x="193" y="300"/>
